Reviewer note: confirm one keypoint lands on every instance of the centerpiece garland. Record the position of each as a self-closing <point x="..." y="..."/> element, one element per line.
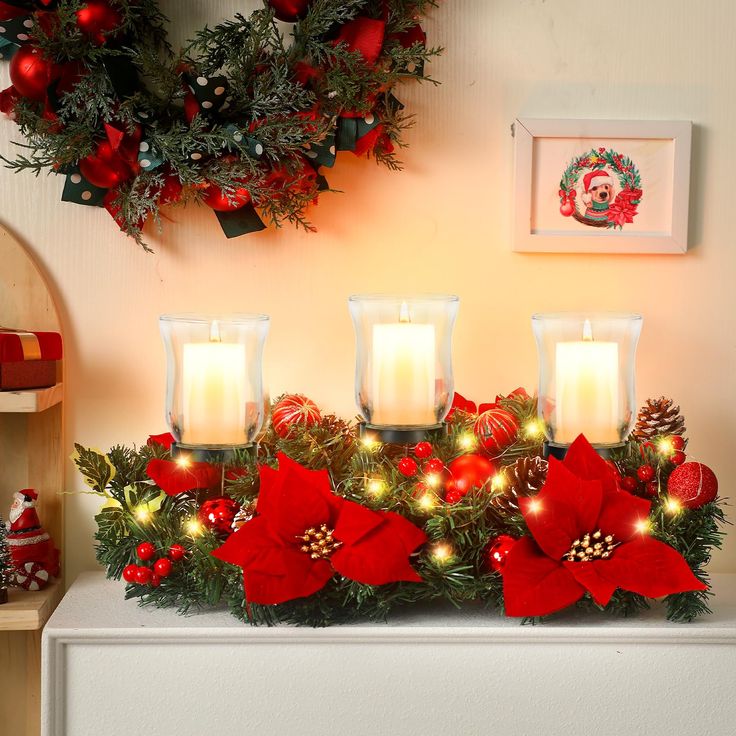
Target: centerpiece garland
<point x="322" y="527"/>
<point x="240" y="120"/>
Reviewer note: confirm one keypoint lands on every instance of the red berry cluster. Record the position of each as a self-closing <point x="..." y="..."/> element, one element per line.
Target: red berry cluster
<point x="647" y="474"/>
<point x="152" y="576"/>
<point x="408" y="466"/>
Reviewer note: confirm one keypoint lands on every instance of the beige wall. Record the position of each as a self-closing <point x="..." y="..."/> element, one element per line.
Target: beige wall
<point x="443" y="224"/>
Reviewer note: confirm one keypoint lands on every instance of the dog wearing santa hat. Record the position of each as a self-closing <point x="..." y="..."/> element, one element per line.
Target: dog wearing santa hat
<point x="32" y="550"/>
<point x="597" y="194"/>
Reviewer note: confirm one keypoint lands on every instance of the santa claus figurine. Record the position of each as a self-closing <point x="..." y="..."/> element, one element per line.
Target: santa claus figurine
<point x="32" y="550"/>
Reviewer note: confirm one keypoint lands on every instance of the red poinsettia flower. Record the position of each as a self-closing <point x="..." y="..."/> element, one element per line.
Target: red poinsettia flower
<point x="175" y="477"/>
<point x="621" y="211"/>
<point x="304" y="534"/>
<point x="629" y="194"/>
<point x="587" y="536"/>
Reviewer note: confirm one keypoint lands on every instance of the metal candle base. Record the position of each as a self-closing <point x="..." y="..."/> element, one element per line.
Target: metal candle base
<point x="402" y="435"/>
<point x="559" y="451"/>
<point x="215" y="455"/>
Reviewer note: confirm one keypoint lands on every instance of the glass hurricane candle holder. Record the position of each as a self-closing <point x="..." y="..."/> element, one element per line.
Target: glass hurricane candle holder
<point x="214" y="387"/>
<point x="586" y="377"/>
<point x="403" y="370"/>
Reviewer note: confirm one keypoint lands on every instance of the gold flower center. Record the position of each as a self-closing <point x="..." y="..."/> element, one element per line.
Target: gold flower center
<point x="319" y="544"/>
<point x="595" y="546"/>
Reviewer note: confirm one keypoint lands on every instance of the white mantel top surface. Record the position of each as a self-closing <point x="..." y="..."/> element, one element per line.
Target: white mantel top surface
<point x="95" y="606"/>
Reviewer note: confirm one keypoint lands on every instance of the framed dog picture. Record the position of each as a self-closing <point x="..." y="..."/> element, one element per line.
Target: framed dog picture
<point x="601" y="186"/>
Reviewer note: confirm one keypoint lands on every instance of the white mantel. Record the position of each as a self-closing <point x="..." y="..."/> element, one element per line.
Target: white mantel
<point x="112" y="668"/>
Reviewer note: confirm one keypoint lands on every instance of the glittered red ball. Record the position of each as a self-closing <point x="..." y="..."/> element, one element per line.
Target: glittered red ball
<point x="678" y="457"/>
<point x="629" y="483"/>
<point x="294" y="411"/>
<point x="162" y="567"/>
<point x="217" y="514"/>
<point x="177" y="552"/>
<point x="496" y="429"/>
<point x="143" y="575"/>
<point x="433" y="466"/>
<point x="290" y="11"/>
<point x="693" y="485"/>
<point x="145" y="551"/>
<point x="467" y="472"/>
<point x="31" y="73"/>
<point x="129" y="573"/>
<point x="215" y="198"/>
<point x="678" y="441"/>
<point x="423" y="450"/>
<point x="645" y="473"/>
<point x="497" y="551"/>
<point x="408" y="467"/>
<point x="105" y="168"/>
<point x="97" y="19"/>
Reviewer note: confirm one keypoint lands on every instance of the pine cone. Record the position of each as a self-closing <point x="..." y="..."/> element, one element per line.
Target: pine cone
<point x="524" y="478"/>
<point x="656" y="417"/>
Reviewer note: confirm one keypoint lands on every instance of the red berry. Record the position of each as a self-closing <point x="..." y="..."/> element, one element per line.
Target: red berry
<point x="453" y="496"/>
<point x="423" y="450"/>
<point x="155" y="580"/>
<point x="645" y="473"/>
<point x="408" y="467"/>
<point x="678" y="458"/>
<point x="629" y="483"/>
<point x="162" y="567"/>
<point x="143" y="575"/>
<point x="177" y="552"/>
<point x="145" y="551"/>
<point x="432" y="466"/>
<point x="129" y="572"/>
<point x="678" y="441"/>
<point x="652" y="488"/>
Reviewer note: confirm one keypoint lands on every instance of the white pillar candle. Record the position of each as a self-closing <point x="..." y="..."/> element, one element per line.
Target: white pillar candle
<point x="403" y="373"/>
<point x="214" y="392"/>
<point x="587" y="390"/>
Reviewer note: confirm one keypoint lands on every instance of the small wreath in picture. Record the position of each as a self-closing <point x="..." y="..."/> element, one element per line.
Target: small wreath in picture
<point x="606" y="184"/>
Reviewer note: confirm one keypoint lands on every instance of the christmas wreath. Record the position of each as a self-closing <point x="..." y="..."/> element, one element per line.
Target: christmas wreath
<point x="623" y="208"/>
<point x="240" y="120"/>
<point x="322" y="527"/>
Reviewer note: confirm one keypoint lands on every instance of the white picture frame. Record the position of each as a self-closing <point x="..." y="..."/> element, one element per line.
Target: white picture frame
<point x="618" y="153"/>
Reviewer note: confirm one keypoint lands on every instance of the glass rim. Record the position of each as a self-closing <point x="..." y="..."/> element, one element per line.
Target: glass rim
<point x="200" y="318"/>
<point x="403" y="297"/>
<point x="582" y="316"/>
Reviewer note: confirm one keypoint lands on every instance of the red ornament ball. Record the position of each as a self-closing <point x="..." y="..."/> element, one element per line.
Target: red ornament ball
<point x="408" y="467"/>
<point x="677" y="441"/>
<point x="294" y="411"/>
<point x="97" y="19"/>
<point x="433" y="466"/>
<point x="693" y="485"/>
<point x="177" y="552"/>
<point x="129" y="573"/>
<point x="105" y="168"/>
<point x="468" y="472"/>
<point x="567" y="208"/>
<point x="216" y="199"/>
<point x="645" y="473"/>
<point x="497" y="551"/>
<point x="143" y="575"/>
<point x="496" y="429"/>
<point x="162" y="567"/>
<point x="290" y="11"/>
<point x="145" y="551"/>
<point x="629" y="483"/>
<point x="31" y="73"/>
<point x="678" y="457"/>
<point x="423" y="450"/>
<point x="217" y="514"/>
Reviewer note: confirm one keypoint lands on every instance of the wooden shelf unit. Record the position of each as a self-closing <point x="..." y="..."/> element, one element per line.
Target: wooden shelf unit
<point x="31" y="456"/>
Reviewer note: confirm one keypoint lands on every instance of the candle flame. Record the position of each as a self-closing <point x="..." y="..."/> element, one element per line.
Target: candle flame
<point x="587" y="331"/>
<point x="215" y="331"/>
<point x="404" y="313"/>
